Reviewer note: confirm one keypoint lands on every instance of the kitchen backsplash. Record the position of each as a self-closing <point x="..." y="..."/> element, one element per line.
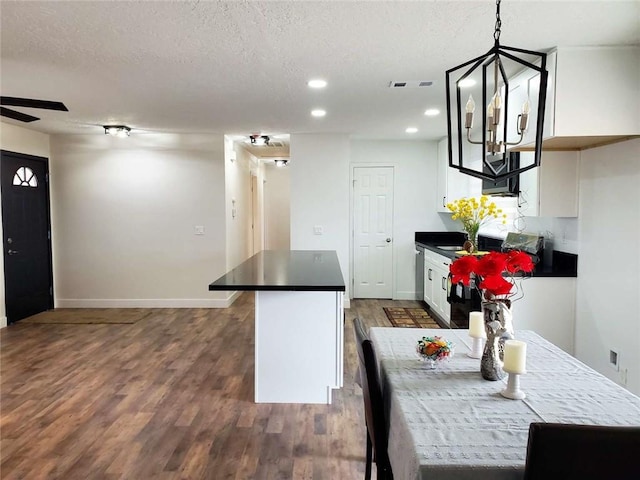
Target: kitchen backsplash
<point x="563" y="232"/>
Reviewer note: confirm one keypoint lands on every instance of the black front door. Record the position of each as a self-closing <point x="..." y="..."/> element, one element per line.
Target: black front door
<point x="26" y="227"/>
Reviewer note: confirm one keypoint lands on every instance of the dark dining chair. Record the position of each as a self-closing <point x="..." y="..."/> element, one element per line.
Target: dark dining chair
<point x="376" y="423"/>
<point x="568" y="451"/>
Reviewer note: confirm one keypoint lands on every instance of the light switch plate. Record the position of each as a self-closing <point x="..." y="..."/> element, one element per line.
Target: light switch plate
<point x="199" y="230"/>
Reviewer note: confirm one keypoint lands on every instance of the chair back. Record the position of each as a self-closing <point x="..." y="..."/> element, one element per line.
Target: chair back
<point x="569" y="451"/>
<point x="372" y="394"/>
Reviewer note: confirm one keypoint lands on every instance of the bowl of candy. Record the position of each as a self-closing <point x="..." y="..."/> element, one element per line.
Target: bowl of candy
<point x="433" y="350"/>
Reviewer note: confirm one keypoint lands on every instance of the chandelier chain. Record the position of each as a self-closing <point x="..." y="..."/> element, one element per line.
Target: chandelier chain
<point x="496" y="33"/>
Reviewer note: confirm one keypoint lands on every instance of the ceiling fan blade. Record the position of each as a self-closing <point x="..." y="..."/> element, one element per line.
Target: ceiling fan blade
<point x="23" y="117"/>
<point x="32" y="103"/>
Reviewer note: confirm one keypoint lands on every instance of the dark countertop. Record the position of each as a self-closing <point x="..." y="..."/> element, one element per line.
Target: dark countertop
<point x="285" y="270"/>
<point x="562" y="264"/>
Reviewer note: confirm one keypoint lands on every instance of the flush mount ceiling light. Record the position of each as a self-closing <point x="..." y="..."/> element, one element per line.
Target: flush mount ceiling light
<point x="432" y="112"/>
<point x="117" y="130"/>
<point x="506" y="109"/>
<point x="411" y="130"/>
<point x="259" y="140"/>
<point x="281" y="162"/>
<point x="318" y="113"/>
<point x="317" y="83"/>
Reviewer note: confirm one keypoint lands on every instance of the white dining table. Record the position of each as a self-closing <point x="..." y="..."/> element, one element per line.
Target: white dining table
<point x="450" y="423"/>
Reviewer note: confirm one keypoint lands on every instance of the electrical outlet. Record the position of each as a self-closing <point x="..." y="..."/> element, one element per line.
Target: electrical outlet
<point x="199" y="230"/>
<point x="614" y="360"/>
<point x="317" y="230"/>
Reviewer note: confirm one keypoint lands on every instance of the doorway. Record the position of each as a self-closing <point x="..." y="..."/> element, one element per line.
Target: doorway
<point x="372" y="232"/>
<point x="26" y="226"/>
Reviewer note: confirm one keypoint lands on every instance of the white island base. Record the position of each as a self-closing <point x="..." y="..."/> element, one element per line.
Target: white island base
<point x="298" y="346"/>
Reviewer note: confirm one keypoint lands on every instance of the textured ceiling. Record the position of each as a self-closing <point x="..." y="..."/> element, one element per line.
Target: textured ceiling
<point x="241" y="67"/>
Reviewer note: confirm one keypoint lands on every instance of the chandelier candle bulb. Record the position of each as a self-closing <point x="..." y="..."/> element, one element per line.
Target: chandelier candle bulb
<point x="476" y="325"/>
<point x="471" y="105"/>
<point x="470" y="108"/>
<point x="515" y="356"/>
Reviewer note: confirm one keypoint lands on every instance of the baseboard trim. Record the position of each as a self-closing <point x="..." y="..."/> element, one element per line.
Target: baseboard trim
<point x="405" y="296"/>
<point x="147" y="302"/>
<point x="3" y="322"/>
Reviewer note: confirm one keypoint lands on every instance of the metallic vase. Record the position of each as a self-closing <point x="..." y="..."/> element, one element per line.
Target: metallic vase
<point x="499" y="328"/>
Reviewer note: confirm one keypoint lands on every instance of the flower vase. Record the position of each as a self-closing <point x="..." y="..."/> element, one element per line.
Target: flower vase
<point x="499" y="328"/>
<point x="471" y="245"/>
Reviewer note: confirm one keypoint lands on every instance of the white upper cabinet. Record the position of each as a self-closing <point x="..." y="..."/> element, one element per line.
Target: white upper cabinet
<point x="593" y="96"/>
<point x="451" y="183"/>
<point x="550" y="190"/>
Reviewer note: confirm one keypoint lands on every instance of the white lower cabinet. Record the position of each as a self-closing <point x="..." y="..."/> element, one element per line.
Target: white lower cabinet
<point x="436" y="277"/>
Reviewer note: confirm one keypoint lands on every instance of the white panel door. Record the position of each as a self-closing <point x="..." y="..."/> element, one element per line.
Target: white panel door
<point x="372" y="236"/>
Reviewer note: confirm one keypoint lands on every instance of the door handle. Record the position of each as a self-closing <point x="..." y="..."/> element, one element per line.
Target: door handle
<point x="12" y="252"/>
<point x="388" y="240"/>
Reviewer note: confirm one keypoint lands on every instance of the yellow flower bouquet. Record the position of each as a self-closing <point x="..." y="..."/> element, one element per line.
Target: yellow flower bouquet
<point x="473" y="213"/>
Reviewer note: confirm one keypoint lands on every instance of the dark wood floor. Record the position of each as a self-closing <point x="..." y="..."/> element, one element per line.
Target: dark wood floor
<point x="169" y="397"/>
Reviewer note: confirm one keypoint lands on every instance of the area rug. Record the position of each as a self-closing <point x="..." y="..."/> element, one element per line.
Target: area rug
<point x="410" y="317"/>
<point x="79" y="316"/>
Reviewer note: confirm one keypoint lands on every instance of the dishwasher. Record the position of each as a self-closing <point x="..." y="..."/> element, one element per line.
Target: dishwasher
<point x="419" y="272"/>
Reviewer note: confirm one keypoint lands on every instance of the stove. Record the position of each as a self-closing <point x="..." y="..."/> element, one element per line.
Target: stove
<point x="464" y="300"/>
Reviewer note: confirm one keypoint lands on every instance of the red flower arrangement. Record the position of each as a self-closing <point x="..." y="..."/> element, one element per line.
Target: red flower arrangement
<point x="488" y="271"/>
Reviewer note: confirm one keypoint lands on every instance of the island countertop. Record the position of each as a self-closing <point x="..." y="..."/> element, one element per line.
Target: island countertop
<point x="285" y="270"/>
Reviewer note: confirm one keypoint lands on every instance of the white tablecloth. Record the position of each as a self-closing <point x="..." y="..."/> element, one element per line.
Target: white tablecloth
<point x="450" y="423"/>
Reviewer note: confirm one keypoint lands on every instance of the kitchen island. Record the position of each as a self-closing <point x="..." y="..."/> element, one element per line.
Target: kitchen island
<point x="298" y="323"/>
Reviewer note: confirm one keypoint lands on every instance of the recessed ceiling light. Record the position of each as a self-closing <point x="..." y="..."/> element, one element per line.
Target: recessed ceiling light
<point x="317" y="83"/>
<point x="318" y="113"/>
<point x="411" y="130"/>
<point x="432" y="112"/>
<point x="467" y="82"/>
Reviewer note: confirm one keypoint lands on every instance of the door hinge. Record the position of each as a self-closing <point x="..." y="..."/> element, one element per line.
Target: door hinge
<point x="48" y="234"/>
<point x="51" y="291"/>
<point x="46" y="177"/>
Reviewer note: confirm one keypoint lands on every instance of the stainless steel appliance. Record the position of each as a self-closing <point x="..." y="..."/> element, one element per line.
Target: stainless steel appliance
<point x="509" y="187"/>
<point x="530" y="243"/>
<point x="419" y="272"/>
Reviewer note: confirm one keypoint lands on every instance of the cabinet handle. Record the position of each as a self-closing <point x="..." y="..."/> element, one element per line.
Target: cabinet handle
<point x="444" y="201"/>
<point x="442" y="283"/>
<point x="429" y="274"/>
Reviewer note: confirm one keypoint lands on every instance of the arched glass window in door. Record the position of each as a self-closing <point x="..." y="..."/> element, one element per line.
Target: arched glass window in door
<point x="25" y="177"/>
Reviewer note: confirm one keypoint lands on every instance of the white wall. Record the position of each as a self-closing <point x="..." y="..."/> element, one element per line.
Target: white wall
<point x="320" y="196"/>
<point x="277" y="198"/>
<point x="239" y="216"/>
<point x="608" y="289"/>
<point x="20" y="140"/>
<point x="124" y="213"/>
<point x="415" y="172"/>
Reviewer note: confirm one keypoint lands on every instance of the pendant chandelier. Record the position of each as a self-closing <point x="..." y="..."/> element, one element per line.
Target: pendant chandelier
<point x="506" y="109"/>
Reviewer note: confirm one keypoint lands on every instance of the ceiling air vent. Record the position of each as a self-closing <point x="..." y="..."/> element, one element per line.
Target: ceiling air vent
<point x="275" y="143"/>
<point x="410" y="83"/>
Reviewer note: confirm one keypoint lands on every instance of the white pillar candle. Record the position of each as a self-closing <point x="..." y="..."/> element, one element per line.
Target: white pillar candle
<point x="515" y="356"/>
<point x="476" y="325"/>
